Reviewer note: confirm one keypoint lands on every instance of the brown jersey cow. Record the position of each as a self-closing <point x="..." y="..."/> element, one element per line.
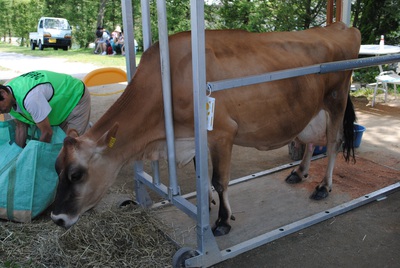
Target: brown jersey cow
<point x="264" y="116"/>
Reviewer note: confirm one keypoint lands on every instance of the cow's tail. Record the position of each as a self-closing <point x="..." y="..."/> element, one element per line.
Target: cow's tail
<point x="348" y="131"/>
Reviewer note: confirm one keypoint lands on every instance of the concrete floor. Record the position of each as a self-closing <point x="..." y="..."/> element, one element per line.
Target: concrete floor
<point x="365" y="237"/>
<point x="368" y="236"/>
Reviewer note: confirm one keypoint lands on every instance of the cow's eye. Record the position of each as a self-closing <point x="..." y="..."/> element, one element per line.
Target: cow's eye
<point x="76" y="174"/>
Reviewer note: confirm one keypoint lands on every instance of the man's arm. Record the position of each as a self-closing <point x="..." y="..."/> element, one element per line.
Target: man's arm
<point x="20" y="133"/>
<point x="45" y="130"/>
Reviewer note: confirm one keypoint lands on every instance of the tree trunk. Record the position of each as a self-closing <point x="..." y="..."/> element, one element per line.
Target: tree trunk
<point x="100" y="15"/>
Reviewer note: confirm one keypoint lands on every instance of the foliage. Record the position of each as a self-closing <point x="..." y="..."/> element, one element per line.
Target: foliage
<point x="5" y="19"/>
<point x="273" y="15"/>
<point x="365" y="74"/>
<point x="376" y="18"/>
<point x="373" y="18"/>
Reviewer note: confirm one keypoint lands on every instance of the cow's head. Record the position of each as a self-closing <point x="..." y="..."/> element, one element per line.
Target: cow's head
<point x="86" y="169"/>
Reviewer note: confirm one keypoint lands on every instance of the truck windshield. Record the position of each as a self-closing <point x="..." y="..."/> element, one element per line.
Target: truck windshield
<point x="59" y="24"/>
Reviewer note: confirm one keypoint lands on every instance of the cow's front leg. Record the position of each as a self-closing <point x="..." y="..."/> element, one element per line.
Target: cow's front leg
<point x="222" y="226"/>
<point x="221" y="157"/>
<point x="210" y="191"/>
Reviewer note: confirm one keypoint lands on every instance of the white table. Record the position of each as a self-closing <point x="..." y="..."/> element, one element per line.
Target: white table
<point x="384" y="78"/>
<point x="376" y="50"/>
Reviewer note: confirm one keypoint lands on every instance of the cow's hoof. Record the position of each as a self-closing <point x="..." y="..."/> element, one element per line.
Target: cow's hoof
<point x="293" y="178"/>
<point x="221" y="229"/>
<point x="319" y="193"/>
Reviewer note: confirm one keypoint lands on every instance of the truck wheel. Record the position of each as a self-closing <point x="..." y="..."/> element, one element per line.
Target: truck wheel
<point x="65" y="48"/>
<point x="32" y="45"/>
<point x="40" y="45"/>
<point x="55" y="48"/>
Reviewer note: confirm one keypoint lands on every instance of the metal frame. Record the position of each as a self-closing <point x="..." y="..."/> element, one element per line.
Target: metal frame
<point x="207" y="252"/>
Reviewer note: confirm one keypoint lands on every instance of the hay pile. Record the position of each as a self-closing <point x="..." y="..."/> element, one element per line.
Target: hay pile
<point x="117" y="237"/>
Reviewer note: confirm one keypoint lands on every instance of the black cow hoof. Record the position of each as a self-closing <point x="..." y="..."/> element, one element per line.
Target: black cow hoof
<point x="221" y="229"/>
<point x="319" y="193"/>
<point x="293" y="178"/>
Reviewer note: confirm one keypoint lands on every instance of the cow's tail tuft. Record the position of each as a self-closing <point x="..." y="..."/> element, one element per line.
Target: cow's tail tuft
<point x="348" y="131"/>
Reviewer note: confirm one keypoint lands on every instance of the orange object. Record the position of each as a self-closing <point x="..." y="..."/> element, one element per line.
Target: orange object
<point x="103" y="76"/>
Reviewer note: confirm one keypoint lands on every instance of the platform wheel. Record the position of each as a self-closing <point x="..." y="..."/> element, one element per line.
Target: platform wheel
<point x="181" y="256"/>
<point x="123" y="202"/>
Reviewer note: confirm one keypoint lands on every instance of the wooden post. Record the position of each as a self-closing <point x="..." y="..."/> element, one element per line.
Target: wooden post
<point x="339" y="10"/>
<point x="330" y="11"/>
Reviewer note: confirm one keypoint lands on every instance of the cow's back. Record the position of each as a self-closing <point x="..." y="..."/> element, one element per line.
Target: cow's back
<point x="255" y="113"/>
<point x="266" y="115"/>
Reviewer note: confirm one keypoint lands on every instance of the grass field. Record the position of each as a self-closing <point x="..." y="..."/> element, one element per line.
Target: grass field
<point x="76" y="55"/>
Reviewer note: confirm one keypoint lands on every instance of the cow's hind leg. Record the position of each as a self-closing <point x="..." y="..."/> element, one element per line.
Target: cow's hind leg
<point x="221" y="157"/>
<point x="313" y="133"/>
<point x="301" y="172"/>
<point x="340" y="129"/>
<point x="323" y="189"/>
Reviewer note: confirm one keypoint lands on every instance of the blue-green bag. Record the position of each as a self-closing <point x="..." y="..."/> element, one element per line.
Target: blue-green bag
<point x="28" y="179"/>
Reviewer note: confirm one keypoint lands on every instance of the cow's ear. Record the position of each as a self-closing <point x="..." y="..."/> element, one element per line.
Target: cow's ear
<point x="109" y="138"/>
<point x="70" y="139"/>
<point x="72" y="133"/>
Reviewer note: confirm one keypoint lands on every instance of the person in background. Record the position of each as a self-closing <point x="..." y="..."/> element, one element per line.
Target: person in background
<point x="102" y="41"/>
<point x="123" y="48"/>
<point x="118" y="40"/>
<point x="99" y="42"/>
<point x="46" y="99"/>
<point x="114" y="37"/>
<point x="136" y="45"/>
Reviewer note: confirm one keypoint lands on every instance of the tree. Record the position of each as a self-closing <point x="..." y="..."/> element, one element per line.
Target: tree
<point x="100" y="14"/>
<point x="22" y="25"/>
<point x="55" y="8"/>
<point x="373" y="18"/>
<point x="5" y="19"/>
<point x="376" y="18"/>
<point x="80" y="14"/>
<point x="273" y="15"/>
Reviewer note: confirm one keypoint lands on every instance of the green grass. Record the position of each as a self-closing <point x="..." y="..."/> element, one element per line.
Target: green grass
<point x="365" y="91"/>
<point x="73" y="55"/>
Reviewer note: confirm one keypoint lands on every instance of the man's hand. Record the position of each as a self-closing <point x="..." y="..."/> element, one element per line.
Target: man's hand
<point x="45" y="130"/>
<point x="20" y="133"/>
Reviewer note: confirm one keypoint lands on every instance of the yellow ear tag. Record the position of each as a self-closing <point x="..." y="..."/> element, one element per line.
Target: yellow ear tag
<point x="112" y="142"/>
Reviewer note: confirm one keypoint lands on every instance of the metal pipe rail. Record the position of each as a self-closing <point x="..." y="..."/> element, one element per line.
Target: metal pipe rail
<point x="322" y="68"/>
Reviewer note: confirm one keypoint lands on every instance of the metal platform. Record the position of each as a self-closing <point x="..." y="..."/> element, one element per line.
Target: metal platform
<point x="267" y="208"/>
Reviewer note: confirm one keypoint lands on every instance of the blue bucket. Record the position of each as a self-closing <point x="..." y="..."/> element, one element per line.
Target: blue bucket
<point x="358" y="131"/>
<point x="319" y="150"/>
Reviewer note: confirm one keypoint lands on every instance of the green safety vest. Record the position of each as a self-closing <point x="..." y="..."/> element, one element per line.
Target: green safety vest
<point x="67" y="92"/>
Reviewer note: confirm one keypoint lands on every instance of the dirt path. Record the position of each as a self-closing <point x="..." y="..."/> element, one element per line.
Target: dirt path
<point x="14" y="64"/>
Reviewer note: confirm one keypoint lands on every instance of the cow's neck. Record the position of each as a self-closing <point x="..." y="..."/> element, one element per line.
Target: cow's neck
<point x="140" y="116"/>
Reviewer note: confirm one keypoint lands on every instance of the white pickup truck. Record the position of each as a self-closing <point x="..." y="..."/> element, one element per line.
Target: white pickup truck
<point x="51" y="32"/>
